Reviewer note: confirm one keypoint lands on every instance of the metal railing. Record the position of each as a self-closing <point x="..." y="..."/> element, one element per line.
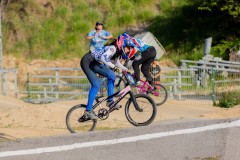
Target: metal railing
<point x="54" y="84"/>
<point x="195" y="83"/>
<point x="200" y="83"/>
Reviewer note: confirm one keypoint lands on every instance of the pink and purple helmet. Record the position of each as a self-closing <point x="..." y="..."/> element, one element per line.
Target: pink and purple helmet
<point x="123" y="40"/>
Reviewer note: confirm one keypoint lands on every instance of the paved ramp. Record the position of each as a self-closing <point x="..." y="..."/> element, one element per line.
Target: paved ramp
<point x="185" y="140"/>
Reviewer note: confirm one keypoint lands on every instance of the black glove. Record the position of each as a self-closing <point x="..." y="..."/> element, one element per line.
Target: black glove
<point x="116" y="69"/>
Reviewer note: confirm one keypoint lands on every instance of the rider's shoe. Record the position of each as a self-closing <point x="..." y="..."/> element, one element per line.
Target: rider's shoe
<point x="87" y="116"/>
<point x="117" y="106"/>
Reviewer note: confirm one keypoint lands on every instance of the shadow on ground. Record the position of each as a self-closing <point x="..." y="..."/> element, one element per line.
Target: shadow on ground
<point x="7" y="138"/>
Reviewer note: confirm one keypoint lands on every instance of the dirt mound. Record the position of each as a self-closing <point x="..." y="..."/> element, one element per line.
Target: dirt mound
<point x="21" y="120"/>
<point x="220" y="113"/>
<point x="35" y="115"/>
<point x="7" y="103"/>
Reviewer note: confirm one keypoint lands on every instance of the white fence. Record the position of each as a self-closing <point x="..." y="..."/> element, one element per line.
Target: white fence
<point x="8" y="82"/>
<point x="196" y="83"/>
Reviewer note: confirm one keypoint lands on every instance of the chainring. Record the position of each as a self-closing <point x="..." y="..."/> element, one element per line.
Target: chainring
<point x="103" y="114"/>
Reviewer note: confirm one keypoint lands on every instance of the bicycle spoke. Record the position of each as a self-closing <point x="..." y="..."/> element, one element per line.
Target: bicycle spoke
<point x="74" y="125"/>
<point x="145" y="116"/>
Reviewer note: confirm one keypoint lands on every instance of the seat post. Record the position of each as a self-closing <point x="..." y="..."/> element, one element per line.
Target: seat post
<point x="98" y="97"/>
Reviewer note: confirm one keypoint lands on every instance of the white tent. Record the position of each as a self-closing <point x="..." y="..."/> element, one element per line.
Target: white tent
<point x="150" y="39"/>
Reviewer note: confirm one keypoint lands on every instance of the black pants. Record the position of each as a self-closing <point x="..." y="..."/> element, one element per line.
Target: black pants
<point x="148" y="57"/>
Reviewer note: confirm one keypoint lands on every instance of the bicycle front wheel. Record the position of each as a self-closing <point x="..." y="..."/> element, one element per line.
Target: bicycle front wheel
<point x="146" y="115"/>
<point x="72" y="120"/>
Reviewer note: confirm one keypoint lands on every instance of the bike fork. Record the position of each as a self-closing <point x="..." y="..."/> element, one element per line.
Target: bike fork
<point x="135" y="102"/>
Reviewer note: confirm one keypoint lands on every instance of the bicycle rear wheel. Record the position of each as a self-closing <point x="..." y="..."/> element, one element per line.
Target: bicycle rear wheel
<point x="146" y="115"/>
<point x="73" y="125"/>
<point x="160" y="95"/>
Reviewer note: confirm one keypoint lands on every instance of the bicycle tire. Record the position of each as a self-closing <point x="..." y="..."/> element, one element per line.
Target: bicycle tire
<point x="162" y="95"/>
<point x="149" y="103"/>
<point x="78" y="127"/>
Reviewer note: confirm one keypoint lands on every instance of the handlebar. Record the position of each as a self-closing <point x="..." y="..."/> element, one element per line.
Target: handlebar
<point x="129" y="80"/>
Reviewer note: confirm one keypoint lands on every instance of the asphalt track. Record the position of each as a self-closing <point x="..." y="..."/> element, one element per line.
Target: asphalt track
<point x="168" y="140"/>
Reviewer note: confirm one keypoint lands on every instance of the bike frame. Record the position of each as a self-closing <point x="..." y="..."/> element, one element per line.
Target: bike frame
<point x="145" y="84"/>
<point x="120" y="94"/>
<point x="143" y="89"/>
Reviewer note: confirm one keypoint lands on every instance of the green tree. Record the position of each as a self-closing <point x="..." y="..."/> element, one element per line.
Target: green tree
<point x="232" y="7"/>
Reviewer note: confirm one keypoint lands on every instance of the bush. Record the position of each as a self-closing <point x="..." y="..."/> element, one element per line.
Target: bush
<point x="229" y="99"/>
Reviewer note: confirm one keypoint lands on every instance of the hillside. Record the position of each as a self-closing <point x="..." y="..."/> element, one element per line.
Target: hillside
<point x="57" y="29"/>
<point x="52" y="29"/>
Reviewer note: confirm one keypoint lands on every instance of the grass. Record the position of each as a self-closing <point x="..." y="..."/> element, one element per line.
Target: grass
<point x="229" y="99"/>
<point x="8" y="126"/>
<point x="60" y="33"/>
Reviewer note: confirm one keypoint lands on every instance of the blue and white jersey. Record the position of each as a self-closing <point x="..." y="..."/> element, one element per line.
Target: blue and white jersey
<point x="98" y="42"/>
<point x="105" y="54"/>
<point x="97" y="52"/>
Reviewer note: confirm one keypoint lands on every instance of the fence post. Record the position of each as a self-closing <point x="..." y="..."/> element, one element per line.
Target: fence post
<point x="179" y="85"/>
<point x="45" y="92"/>
<point x="175" y="87"/>
<point x="1" y="81"/>
<point x="213" y="89"/>
<point x="171" y="92"/>
<point x="28" y="86"/>
<point x="6" y="83"/>
<point x="193" y="76"/>
<point x="198" y="84"/>
<point x="57" y="83"/>
<point x="15" y="84"/>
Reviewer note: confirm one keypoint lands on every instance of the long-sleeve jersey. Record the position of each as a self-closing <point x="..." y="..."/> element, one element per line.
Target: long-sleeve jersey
<point x="104" y="55"/>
